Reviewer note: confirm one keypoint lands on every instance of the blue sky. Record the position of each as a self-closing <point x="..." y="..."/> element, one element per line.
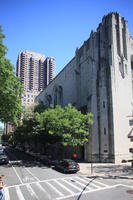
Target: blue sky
<point x="55" y="27"/>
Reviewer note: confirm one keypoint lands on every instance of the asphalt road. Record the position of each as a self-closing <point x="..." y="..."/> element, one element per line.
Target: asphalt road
<point x="26" y="179"/>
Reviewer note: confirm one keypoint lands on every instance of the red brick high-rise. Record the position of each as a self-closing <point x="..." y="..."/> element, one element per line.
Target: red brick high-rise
<point x="35" y="73"/>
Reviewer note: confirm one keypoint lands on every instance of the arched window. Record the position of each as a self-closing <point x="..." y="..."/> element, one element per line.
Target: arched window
<point x="55" y="99"/>
<point x="49" y="100"/>
<point x="55" y="95"/>
<point x="132" y="72"/>
<point x="60" y="95"/>
<point x="132" y="64"/>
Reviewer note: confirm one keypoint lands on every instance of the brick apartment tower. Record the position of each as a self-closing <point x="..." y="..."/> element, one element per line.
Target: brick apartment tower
<point x="35" y="73"/>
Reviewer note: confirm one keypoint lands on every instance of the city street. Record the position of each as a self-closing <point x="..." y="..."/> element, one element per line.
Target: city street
<point x="26" y="179"/>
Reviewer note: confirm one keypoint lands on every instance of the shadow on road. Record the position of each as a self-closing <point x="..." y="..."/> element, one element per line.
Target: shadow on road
<point x="85" y="188"/>
<point x="21" y="159"/>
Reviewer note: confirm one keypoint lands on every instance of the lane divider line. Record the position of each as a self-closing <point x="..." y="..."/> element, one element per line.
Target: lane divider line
<point x="19" y="193"/>
<point x="17" y="174"/>
<point x="32" y="174"/>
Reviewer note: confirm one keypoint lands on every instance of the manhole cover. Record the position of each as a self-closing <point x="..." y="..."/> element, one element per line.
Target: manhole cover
<point x="130" y="191"/>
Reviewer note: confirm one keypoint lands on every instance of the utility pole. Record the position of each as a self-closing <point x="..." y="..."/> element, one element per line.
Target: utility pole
<point x="91" y="146"/>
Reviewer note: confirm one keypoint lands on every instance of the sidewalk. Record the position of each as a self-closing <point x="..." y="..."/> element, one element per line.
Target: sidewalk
<point x="107" y="170"/>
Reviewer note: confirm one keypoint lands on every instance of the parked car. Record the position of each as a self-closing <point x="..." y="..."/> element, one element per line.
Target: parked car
<point x="47" y="160"/>
<point x="1" y="149"/>
<point x="3" y="158"/>
<point x="67" y="165"/>
<point x="4" y="143"/>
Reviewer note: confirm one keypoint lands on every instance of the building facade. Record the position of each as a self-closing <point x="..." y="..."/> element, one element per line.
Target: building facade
<point x="35" y="73"/>
<point x="99" y="80"/>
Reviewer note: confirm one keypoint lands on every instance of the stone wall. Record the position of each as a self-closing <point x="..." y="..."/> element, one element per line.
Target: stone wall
<point x="99" y="80"/>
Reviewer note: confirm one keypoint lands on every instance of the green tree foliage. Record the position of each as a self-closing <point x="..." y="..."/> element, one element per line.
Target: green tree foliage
<point x="68" y="124"/>
<point x="39" y="107"/>
<point x="1" y="133"/>
<point x="10" y="88"/>
<point x="65" y="125"/>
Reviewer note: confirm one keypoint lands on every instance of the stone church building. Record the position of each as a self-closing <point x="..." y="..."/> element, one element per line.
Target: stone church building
<point x="99" y="80"/>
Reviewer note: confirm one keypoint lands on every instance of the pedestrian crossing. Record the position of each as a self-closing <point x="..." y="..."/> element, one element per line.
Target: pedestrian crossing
<point x="53" y="189"/>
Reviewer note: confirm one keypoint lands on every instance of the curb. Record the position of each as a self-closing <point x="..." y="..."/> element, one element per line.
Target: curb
<point x="106" y="176"/>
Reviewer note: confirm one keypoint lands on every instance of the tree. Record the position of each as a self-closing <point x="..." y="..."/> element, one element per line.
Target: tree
<point x="68" y="124"/>
<point x="39" y="107"/>
<point x="10" y="88"/>
<point x="65" y="125"/>
<point x="1" y="133"/>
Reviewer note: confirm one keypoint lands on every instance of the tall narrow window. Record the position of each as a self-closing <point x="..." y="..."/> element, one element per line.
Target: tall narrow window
<point x="132" y="72"/>
<point x="104" y="131"/>
<point x="103" y="104"/>
<point x="55" y="100"/>
<point x="126" y="68"/>
<point x="124" y="40"/>
<point x="121" y="68"/>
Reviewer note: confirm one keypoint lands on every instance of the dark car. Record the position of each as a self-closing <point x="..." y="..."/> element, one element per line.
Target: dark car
<point x="67" y="165"/>
<point x="1" y="149"/>
<point x="47" y="160"/>
<point x="3" y="158"/>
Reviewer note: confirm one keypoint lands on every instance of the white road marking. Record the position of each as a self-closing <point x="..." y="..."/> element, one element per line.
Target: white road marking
<point x="85" y="192"/>
<point x="35" y="182"/>
<point x="89" y="183"/>
<point x="6" y="194"/>
<point x="70" y="191"/>
<point x="26" y="179"/>
<point x="54" y="180"/>
<point x="15" y="161"/>
<point x="130" y="186"/>
<point x="32" y="174"/>
<point x="96" y="182"/>
<point x="49" y="183"/>
<point x="32" y="191"/>
<point x="57" y="191"/>
<point x="76" y="187"/>
<point x="42" y="189"/>
<point x="17" y="174"/>
<point x="84" y="185"/>
<point x="19" y="193"/>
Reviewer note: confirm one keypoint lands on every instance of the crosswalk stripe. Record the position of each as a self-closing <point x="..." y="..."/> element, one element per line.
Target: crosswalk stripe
<point x="42" y="189"/>
<point x="64" y="183"/>
<point x="6" y="194"/>
<point x="32" y="191"/>
<point x="64" y="187"/>
<point x="57" y="191"/>
<point x="76" y="187"/>
<point x="89" y="183"/>
<point x="97" y="182"/>
<point x="86" y="192"/>
<point x="19" y="193"/>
